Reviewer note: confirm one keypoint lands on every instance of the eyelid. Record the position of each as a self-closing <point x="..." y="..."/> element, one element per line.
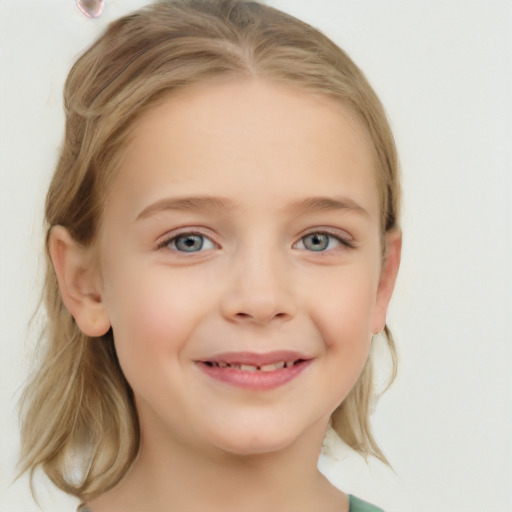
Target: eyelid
<point x="169" y="237"/>
<point x="341" y="235"/>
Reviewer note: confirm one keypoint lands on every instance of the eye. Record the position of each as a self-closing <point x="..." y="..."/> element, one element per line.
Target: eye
<point x="319" y="242"/>
<point x="189" y="242"/>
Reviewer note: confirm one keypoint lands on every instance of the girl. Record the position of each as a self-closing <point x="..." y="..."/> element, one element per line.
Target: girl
<point x="223" y="241"/>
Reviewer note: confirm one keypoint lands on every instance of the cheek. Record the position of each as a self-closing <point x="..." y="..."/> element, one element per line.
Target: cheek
<point x="345" y="323"/>
<point x="345" y="311"/>
<point x="151" y="320"/>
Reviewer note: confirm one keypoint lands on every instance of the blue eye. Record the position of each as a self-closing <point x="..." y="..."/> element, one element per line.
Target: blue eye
<point x="190" y="242"/>
<point x="319" y="242"/>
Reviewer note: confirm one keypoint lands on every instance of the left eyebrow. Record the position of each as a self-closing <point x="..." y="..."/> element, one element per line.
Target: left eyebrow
<point x="327" y="204"/>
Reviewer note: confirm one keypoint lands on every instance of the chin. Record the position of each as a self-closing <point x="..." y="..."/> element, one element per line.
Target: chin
<point x="255" y="448"/>
<point x="264" y="439"/>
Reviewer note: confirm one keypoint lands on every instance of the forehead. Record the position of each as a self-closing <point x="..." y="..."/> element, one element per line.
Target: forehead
<point x="220" y="138"/>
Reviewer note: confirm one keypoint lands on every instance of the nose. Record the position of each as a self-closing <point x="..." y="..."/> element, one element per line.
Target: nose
<point x="259" y="290"/>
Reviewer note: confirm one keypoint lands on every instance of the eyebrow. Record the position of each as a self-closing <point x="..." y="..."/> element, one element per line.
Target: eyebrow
<point x="207" y="203"/>
<point x="196" y="203"/>
<point x="327" y="204"/>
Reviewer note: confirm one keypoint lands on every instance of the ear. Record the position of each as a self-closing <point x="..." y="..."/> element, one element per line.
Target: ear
<point x="389" y="271"/>
<point x="79" y="282"/>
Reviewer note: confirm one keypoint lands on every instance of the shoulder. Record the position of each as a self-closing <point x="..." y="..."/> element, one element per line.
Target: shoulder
<point x="358" y="505"/>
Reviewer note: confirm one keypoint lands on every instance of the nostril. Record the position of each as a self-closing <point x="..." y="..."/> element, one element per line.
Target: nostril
<point x="260" y="317"/>
<point x="260" y="307"/>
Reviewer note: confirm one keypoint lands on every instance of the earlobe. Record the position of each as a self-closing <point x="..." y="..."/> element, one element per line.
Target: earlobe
<point x="389" y="272"/>
<point x="79" y="282"/>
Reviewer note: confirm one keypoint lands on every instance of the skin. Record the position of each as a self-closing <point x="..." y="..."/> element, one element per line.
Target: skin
<point x="259" y="284"/>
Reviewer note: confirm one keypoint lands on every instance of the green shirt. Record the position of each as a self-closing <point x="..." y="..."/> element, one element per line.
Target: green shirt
<point x="357" y="505"/>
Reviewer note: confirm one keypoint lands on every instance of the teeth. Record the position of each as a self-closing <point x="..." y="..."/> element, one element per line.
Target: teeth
<point x="243" y="367"/>
<point x="272" y="367"/>
<point x="247" y="367"/>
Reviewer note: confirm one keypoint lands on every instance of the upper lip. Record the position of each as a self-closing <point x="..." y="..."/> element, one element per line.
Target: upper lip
<point x="256" y="359"/>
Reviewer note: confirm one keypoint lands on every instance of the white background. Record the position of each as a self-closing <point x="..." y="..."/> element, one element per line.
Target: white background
<point x="443" y="70"/>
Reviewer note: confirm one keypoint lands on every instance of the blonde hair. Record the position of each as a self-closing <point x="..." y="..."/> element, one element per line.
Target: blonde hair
<point x="78" y="416"/>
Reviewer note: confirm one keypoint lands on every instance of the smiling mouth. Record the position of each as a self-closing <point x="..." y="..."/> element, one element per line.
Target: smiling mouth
<point x="271" y="367"/>
<point x="255" y="372"/>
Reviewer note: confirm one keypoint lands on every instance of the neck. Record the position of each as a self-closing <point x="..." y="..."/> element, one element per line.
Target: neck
<point x="171" y="476"/>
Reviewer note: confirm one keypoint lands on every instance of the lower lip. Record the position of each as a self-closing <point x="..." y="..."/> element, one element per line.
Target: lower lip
<point x="255" y="380"/>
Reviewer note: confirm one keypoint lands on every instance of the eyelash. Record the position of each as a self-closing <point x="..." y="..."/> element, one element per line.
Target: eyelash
<point x="167" y="241"/>
<point x="346" y="242"/>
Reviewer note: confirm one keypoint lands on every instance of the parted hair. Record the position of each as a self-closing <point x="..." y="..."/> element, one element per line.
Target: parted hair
<point x="79" y="422"/>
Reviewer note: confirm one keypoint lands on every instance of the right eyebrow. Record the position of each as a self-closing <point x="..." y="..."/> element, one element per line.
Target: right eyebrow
<point x="186" y="204"/>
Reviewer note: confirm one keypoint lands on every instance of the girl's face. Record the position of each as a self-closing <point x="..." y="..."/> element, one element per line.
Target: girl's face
<point x="241" y="265"/>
